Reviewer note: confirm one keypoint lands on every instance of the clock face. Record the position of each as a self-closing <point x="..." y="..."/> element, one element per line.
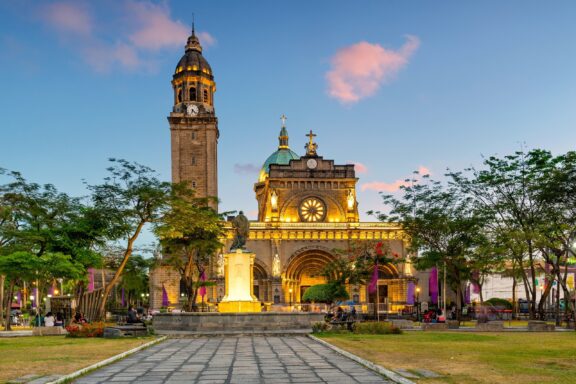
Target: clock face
<point x="192" y="110"/>
<point x="312" y="210"/>
<point x="312" y="163"/>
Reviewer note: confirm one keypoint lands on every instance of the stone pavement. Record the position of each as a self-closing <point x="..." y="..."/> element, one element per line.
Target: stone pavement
<point x="229" y="360"/>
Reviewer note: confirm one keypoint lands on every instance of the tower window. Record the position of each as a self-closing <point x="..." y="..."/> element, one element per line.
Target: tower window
<point x="192" y="93"/>
<point x="193" y="160"/>
<point x="193" y="135"/>
<point x="179" y="95"/>
<point x="193" y="184"/>
<point x="205" y="95"/>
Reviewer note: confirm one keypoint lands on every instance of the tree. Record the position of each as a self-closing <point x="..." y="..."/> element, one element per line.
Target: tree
<point x="131" y="197"/>
<point x="190" y="233"/>
<point x="325" y="293"/>
<point x="510" y="192"/>
<point x="442" y="225"/>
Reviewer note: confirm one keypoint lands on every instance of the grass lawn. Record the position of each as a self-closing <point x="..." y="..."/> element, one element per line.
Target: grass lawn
<point x="20" y="356"/>
<point x="512" y="357"/>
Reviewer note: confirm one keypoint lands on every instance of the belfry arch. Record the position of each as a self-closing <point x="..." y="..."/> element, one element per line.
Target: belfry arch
<point x="303" y="270"/>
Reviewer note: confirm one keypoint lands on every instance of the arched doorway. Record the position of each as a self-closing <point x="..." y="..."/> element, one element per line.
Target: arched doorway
<point x="391" y="289"/>
<point x="261" y="283"/>
<point x="302" y="271"/>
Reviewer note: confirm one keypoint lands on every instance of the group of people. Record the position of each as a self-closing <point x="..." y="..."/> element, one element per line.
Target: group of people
<point x="49" y="320"/>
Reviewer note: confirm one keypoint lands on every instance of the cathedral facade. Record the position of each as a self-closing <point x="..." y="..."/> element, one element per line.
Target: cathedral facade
<point x="307" y="207"/>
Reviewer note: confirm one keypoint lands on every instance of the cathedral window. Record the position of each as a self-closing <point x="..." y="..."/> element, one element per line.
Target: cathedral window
<point x="193" y="184"/>
<point x="205" y="95"/>
<point x="179" y="95"/>
<point x="193" y="160"/>
<point x="192" y="93"/>
<point x="193" y="135"/>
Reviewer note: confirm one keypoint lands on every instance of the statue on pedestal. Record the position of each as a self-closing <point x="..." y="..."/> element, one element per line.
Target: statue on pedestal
<point x="242" y="230"/>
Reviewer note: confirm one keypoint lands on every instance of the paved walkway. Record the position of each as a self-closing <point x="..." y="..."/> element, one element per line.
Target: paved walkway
<point x="228" y="360"/>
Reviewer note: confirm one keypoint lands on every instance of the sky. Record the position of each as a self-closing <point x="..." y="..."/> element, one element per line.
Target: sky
<point x="391" y="86"/>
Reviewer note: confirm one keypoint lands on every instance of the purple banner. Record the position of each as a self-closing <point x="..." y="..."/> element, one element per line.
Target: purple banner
<point x="35" y="301"/>
<point x="410" y="293"/>
<point x="90" y="279"/>
<point x="467" y="295"/>
<point x="374" y="281"/>
<point x="203" y="288"/>
<point x="19" y="298"/>
<point x="433" y="285"/>
<point x="165" y="301"/>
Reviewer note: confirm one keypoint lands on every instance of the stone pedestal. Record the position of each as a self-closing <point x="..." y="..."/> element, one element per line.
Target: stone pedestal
<point x="239" y="283"/>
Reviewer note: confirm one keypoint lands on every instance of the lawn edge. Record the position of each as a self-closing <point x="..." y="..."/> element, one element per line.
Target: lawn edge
<point x="368" y="364"/>
<point x="107" y="361"/>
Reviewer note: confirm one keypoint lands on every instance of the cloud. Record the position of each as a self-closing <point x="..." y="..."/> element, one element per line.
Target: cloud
<point x="140" y="31"/>
<point x="67" y="17"/>
<point x="156" y="30"/>
<point x="380" y="186"/>
<point x="359" y="70"/>
<point x="359" y="167"/>
<point x="246" y="169"/>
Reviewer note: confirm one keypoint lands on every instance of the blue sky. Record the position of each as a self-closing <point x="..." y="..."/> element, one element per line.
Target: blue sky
<point x="390" y="85"/>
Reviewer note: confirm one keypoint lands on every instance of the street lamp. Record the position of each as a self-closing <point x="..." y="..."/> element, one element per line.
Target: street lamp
<point x="290" y="290"/>
<point x="418" y="304"/>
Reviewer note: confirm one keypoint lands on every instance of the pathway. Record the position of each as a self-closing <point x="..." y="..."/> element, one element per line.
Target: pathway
<point x="228" y="360"/>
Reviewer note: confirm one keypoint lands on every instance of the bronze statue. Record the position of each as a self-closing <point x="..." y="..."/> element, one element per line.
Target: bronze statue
<point x="242" y="230"/>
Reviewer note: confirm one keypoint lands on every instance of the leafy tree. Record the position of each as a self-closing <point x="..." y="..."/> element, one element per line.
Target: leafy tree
<point x="135" y="276"/>
<point x="190" y="233"/>
<point x="325" y="293"/>
<point x="130" y="197"/>
<point x="442" y="225"/>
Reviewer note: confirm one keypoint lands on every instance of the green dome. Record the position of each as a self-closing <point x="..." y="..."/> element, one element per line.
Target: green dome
<point x="282" y="156"/>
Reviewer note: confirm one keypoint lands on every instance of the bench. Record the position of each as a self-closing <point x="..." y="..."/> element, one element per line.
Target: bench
<point x="136" y="329"/>
<point x="348" y="323"/>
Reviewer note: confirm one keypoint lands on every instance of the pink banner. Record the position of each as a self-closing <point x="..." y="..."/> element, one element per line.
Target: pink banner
<point x="374" y="281"/>
<point x="202" y="288"/>
<point x="433" y="285"/>
<point x="90" y="279"/>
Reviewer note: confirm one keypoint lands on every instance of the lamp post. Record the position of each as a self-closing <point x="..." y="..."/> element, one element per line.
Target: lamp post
<point x="418" y="304"/>
<point x="290" y="291"/>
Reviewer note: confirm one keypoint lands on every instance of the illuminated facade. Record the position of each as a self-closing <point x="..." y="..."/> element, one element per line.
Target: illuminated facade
<point x="307" y="207"/>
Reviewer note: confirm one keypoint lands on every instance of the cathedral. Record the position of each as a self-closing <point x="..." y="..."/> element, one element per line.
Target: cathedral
<point x="307" y="207"/>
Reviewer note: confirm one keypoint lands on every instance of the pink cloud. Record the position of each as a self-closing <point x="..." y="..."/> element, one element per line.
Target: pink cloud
<point x="359" y="70"/>
<point x="381" y="186"/>
<point x="359" y="167"/>
<point x="68" y="18"/>
<point x="156" y="30"/>
<point x="395" y="186"/>
<point x="141" y="30"/>
<point x="246" y="169"/>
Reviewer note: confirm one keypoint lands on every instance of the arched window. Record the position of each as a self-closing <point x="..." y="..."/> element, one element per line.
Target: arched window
<point x="193" y="160"/>
<point x="193" y="184"/>
<point x="192" y="93"/>
<point x="193" y="135"/>
<point x="205" y="95"/>
<point x="179" y="95"/>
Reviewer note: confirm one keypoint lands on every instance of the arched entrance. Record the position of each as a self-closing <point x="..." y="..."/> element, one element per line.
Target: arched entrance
<point x="261" y="282"/>
<point x="391" y="292"/>
<point x="303" y="270"/>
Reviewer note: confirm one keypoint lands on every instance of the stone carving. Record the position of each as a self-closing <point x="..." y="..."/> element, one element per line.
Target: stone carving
<point x="220" y="265"/>
<point x="276" y="266"/>
<point x="242" y="230"/>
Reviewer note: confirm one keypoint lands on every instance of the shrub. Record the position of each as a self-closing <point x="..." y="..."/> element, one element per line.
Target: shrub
<point x="320" y="326"/>
<point x="499" y="303"/>
<point x="325" y="293"/>
<point x="86" y="330"/>
<point x="376" y="328"/>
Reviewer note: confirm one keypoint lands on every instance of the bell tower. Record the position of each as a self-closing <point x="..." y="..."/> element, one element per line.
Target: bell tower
<point x="193" y="123"/>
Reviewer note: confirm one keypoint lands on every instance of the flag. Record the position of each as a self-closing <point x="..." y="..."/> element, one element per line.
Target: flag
<point x="90" y="280"/>
<point x="374" y="281"/>
<point x="433" y="285"/>
<point x="203" y="288"/>
<point x="165" y="301"/>
<point x="410" y="293"/>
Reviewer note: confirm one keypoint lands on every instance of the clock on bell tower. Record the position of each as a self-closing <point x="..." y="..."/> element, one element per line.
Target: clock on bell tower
<point x="193" y="123"/>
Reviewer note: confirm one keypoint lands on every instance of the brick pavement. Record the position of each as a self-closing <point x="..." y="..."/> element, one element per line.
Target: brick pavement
<point x="229" y="360"/>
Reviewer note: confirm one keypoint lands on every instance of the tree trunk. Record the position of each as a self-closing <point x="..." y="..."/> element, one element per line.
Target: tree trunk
<point x="2" y="280"/>
<point x="8" y="312"/>
<point x="127" y="253"/>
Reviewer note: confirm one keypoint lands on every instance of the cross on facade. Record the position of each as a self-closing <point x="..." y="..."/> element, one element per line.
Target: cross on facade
<point x="283" y="118"/>
<point x="311" y="136"/>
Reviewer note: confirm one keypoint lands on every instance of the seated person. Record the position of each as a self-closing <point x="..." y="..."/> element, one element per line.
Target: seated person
<point x="59" y="322"/>
<point x="79" y="319"/>
<point x="132" y="317"/>
<point x="49" y="320"/>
